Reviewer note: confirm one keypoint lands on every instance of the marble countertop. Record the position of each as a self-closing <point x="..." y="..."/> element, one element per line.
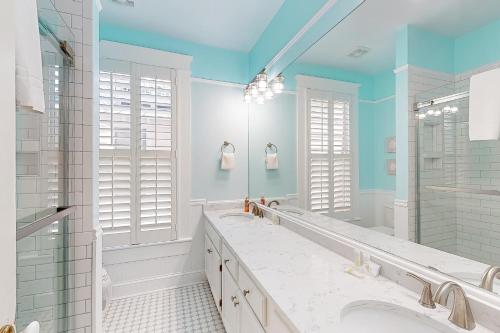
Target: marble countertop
<point x="426" y="256"/>
<point x="307" y="281"/>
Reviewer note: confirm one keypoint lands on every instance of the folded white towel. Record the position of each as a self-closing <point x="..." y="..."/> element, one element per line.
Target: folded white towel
<point x="272" y="161"/>
<point x="227" y="161"/>
<point x="29" y="78"/>
<point x="484" y="106"/>
<point x="33" y="327"/>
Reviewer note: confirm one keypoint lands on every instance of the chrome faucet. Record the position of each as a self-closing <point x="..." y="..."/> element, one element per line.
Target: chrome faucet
<point x="489" y="276"/>
<point x="461" y="313"/>
<point x="271" y="202"/>
<point x="256" y="210"/>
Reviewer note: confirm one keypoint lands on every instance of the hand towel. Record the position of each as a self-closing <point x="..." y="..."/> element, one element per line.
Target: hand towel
<point x="29" y="78"/>
<point x="484" y="106"/>
<point x="227" y="161"/>
<point x="33" y="327"/>
<point x="272" y="161"/>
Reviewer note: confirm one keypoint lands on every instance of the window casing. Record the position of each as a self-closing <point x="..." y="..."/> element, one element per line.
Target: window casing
<point x="328" y="176"/>
<point x="137" y="153"/>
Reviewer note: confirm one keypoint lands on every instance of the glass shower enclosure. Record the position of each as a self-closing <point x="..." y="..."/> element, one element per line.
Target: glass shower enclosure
<point x="458" y="180"/>
<point x="42" y="185"/>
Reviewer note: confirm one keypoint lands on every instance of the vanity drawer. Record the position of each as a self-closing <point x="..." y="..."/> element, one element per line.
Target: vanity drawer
<point x="230" y="262"/>
<point x="214" y="237"/>
<point x="253" y="295"/>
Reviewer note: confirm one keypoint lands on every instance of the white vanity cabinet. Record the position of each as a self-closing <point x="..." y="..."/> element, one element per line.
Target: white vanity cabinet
<point x="243" y="305"/>
<point x="213" y="271"/>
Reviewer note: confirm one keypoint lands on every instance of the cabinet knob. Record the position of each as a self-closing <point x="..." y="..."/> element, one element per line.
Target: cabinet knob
<point x="246" y="292"/>
<point x="236" y="303"/>
<point x="233" y="298"/>
<point x="226" y="261"/>
<point x="209" y="250"/>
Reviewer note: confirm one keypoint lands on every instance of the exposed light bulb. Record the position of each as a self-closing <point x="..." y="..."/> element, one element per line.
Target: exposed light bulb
<point x="248" y="97"/>
<point x="421" y="116"/>
<point x="261" y="80"/>
<point x="277" y="84"/>
<point x="260" y="99"/>
<point x="437" y="113"/>
<point x="447" y="109"/>
<point x="254" y="92"/>
<point x="454" y="109"/>
<point x="269" y="93"/>
<point x="430" y="112"/>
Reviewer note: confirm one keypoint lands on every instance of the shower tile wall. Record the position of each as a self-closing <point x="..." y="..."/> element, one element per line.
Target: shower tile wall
<point x="465" y="224"/>
<point x="69" y="307"/>
<point x="419" y="81"/>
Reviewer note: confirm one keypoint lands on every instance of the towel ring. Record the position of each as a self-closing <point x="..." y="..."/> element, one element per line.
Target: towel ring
<point x="271" y="147"/>
<point x="225" y="145"/>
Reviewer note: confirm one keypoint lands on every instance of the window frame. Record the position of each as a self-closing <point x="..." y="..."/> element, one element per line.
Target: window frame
<point x="309" y="88"/>
<point x="139" y="62"/>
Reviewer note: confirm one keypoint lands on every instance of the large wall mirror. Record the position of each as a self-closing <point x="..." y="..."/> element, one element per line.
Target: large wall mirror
<point x="370" y="137"/>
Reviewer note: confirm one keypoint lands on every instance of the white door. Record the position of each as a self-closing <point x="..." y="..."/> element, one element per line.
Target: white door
<point x="230" y="300"/>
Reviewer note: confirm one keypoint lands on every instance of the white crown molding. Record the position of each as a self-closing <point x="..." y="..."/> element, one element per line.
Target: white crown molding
<point x="401" y="203"/>
<point x="219" y="83"/>
<point x="312" y="21"/>
<point x="377" y="101"/>
<point x="400" y="69"/>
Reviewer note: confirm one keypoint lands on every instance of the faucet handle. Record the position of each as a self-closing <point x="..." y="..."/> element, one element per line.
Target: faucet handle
<point x="426" y="299"/>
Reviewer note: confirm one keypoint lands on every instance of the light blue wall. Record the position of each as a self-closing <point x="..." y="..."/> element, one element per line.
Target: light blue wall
<point x="275" y="121"/>
<point x="218" y="114"/>
<point x="478" y="48"/>
<point x="430" y="50"/>
<point x="208" y="62"/>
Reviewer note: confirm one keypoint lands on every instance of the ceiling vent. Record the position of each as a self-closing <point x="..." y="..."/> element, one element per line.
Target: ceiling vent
<point x="359" y="52"/>
<point x="129" y="3"/>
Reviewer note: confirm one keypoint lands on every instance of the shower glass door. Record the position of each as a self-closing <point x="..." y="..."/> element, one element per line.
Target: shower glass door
<point x="43" y="286"/>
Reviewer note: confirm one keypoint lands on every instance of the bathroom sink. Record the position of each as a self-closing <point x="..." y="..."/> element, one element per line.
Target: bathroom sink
<point x="290" y="210"/>
<point x="380" y="317"/>
<point x="237" y="216"/>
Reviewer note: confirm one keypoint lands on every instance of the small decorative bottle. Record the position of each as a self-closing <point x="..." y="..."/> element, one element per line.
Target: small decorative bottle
<point x="246" y="205"/>
<point x="262" y="199"/>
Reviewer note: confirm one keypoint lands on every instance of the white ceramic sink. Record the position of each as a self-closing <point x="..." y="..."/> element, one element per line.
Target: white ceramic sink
<point x="380" y="317"/>
<point x="237" y="217"/>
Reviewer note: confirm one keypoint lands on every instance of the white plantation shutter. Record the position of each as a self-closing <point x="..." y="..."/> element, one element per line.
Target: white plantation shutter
<point x="115" y="165"/>
<point x="156" y="152"/>
<point x="137" y="155"/>
<point x="330" y="158"/>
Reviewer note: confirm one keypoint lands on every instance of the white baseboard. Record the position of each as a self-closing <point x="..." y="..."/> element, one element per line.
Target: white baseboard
<point x="170" y="281"/>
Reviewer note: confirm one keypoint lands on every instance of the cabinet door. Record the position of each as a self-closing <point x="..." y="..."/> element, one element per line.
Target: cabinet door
<point x="248" y="322"/>
<point x="230" y="300"/>
<point x="212" y="271"/>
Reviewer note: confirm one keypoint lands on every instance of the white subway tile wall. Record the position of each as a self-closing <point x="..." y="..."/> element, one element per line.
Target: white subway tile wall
<point x="461" y="223"/>
<point x="55" y="272"/>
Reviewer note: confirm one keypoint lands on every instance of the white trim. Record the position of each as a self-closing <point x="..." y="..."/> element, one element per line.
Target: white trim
<point x="219" y="83"/>
<point x="304" y="85"/>
<point x="400" y="69"/>
<point x="312" y="21"/>
<point x="400" y="203"/>
<point x="198" y="202"/>
<point x="161" y="282"/>
<point x="376" y="101"/>
<point x="142" y="55"/>
<point x="376" y="191"/>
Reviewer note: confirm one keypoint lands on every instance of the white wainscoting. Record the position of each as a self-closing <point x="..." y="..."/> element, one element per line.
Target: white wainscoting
<point x="372" y="207"/>
<point x="144" y="268"/>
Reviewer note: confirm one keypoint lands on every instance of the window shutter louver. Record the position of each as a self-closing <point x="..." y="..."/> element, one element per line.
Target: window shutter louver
<point x="329" y="154"/>
<point x="115" y="165"/>
<point x="156" y="153"/>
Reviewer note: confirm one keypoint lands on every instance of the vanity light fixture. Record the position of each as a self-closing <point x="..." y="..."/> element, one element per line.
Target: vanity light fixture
<point x="261" y="89"/>
<point x="430" y="112"/>
<point x="437" y="113"/>
<point x="421" y="115"/>
<point x="261" y="81"/>
<point x="454" y="109"/>
<point x="277" y="84"/>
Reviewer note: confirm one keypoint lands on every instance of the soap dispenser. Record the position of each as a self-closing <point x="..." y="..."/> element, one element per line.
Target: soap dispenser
<point x="246" y="206"/>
